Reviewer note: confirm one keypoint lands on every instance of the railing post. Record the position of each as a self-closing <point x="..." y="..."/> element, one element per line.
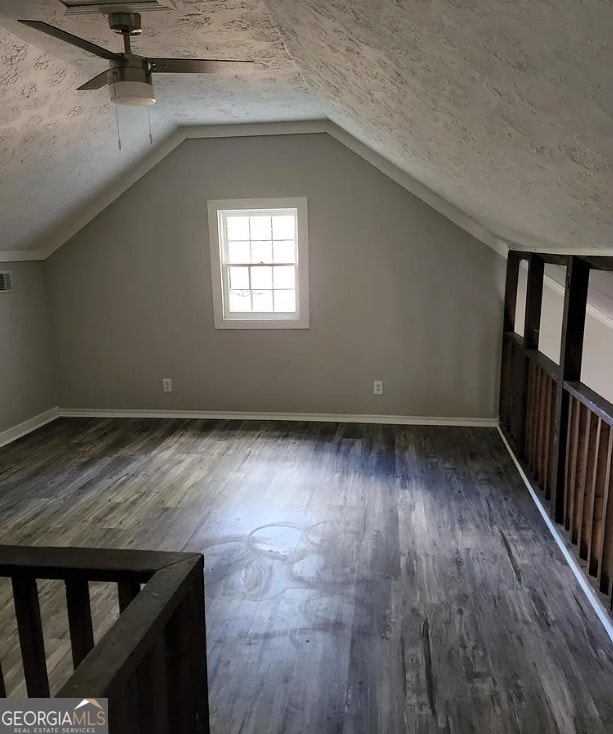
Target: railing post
<point x="153" y="691"/>
<point x="185" y="643"/>
<point x="30" y="628"/>
<point x="79" y="619"/>
<point x="532" y="325"/>
<point x="510" y="303"/>
<point x="571" y="354"/>
<point x="510" y="291"/>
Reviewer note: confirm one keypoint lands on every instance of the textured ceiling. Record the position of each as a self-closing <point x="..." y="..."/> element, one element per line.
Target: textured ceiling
<point x="502" y="107"/>
<point x="58" y="147"/>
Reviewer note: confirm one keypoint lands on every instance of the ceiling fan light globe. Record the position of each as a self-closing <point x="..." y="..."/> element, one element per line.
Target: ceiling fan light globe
<point x="135" y="94"/>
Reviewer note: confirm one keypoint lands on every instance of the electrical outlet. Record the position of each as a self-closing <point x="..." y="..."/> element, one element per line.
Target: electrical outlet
<point x="166" y="384"/>
<point x="377" y="387"/>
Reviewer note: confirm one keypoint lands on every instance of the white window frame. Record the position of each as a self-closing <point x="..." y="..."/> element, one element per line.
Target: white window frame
<point x="225" y="320"/>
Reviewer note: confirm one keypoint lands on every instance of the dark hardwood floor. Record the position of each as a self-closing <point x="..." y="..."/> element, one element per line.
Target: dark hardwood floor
<point x="360" y="579"/>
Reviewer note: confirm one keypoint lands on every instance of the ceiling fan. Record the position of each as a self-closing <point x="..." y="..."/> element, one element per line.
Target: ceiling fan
<point x="129" y="75"/>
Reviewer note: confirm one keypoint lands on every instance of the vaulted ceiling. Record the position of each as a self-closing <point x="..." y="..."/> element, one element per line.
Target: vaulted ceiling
<point x="504" y="108"/>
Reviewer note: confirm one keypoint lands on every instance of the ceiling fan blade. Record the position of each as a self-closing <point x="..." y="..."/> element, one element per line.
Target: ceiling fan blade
<point x="199" y="66"/>
<point x="81" y="43"/>
<point x="96" y="83"/>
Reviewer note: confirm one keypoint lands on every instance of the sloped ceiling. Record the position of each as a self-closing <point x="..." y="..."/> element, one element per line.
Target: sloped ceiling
<point x="502" y="107"/>
<point x="58" y="147"/>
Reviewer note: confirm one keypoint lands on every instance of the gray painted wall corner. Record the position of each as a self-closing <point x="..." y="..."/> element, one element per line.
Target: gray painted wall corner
<point x="27" y="373"/>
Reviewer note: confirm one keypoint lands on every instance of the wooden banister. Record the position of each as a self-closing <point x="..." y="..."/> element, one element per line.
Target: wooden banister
<point x="96" y="564"/>
<point x="571" y="355"/>
<point x="548" y="366"/>
<point x="151" y="663"/>
<point x="561" y="430"/>
<point x="596" y="404"/>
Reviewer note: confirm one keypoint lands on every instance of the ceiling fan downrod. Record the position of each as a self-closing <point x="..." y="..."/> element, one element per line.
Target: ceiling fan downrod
<point x="127" y="25"/>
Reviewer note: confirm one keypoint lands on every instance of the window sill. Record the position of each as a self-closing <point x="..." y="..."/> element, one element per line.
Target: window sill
<point x="262" y="323"/>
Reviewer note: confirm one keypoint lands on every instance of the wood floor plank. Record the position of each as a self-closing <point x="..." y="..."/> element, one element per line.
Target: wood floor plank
<point x="359" y="578"/>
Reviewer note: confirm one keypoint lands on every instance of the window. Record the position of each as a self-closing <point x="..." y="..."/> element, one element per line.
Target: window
<point x="259" y="263"/>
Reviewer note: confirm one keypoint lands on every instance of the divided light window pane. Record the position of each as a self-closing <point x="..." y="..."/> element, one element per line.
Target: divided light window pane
<point x="261" y="252"/>
<point x="239" y="278"/>
<point x="284" y="276"/>
<point x="239" y="252"/>
<point x="284" y="227"/>
<point x="240" y="302"/>
<point x="262" y="301"/>
<point x="261" y="228"/>
<point x="261" y="277"/>
<point x="237" y="228"/>
<point x="285" y="301"/>
<point x="285" y="251"/>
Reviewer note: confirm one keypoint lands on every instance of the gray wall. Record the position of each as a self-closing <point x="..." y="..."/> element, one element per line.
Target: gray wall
<point x="27" y="380"/>
<point x="398" y="293"/>
<point x="596" y="371"/>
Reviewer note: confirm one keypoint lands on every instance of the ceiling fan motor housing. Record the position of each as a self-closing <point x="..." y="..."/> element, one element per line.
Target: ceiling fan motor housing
<point x="130" y="84"/>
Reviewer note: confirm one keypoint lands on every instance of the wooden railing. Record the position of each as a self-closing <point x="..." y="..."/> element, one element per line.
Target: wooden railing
<point x="561" y="430"/>
<point x="588" y="515"/>
<point x="151" y="664"/>
<point x="511" y="387"/>
<point x="540" y="418"/>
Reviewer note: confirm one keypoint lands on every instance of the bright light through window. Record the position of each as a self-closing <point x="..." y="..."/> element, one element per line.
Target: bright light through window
<point x="260" y="261"/>
<point x="259" y="264"/>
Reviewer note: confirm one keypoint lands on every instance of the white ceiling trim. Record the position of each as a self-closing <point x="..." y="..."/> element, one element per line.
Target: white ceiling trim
<point x="16" y="256"/>
<point x="85" y="215"/>
<point x="106" y="198"/>
<point x="244" y="130"/>
<point x="419" y="190"/>
<point x="61" y="235"/>
<point x="597" y="313"/>
<point x="586" y="251"/>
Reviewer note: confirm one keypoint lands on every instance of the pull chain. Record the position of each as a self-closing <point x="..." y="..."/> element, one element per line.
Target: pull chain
<point x="117" y="117"/>
<point x="149" y="119"/>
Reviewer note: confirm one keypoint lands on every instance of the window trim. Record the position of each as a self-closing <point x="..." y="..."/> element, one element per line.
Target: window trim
<point x="269" y="321"/>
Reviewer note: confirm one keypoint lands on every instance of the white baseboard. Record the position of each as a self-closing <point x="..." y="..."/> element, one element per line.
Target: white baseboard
<point x="403" y="420"/>
<point x="590" y="594"/>
<point x="22" y="429"/>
